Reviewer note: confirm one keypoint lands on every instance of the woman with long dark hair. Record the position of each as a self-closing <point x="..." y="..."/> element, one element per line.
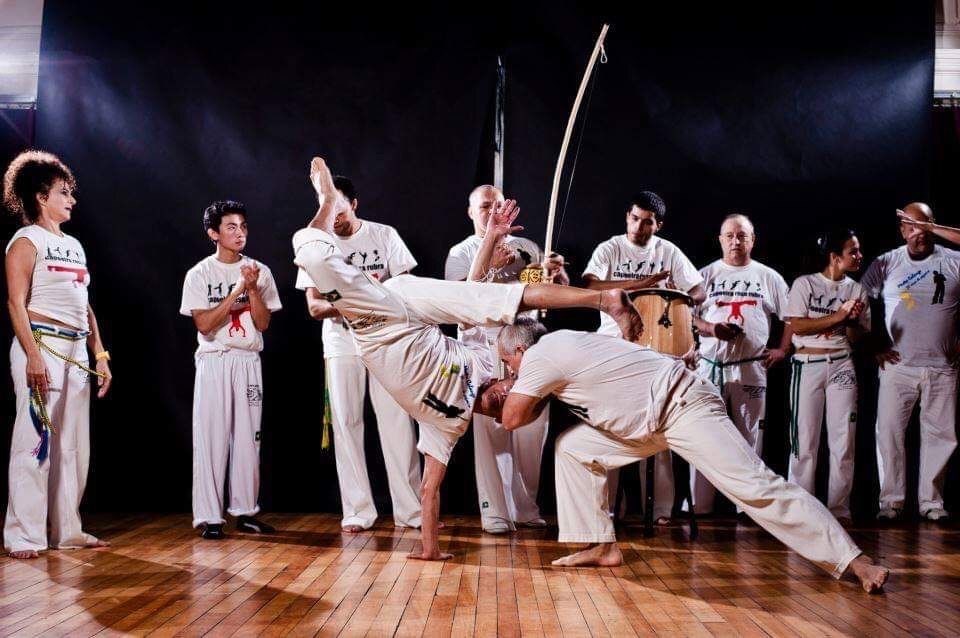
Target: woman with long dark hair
<point x="828" y="312"/>
<point x="47" y="281"/>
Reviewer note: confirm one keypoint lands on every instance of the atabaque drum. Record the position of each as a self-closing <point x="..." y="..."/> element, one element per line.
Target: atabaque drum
<point x="667" y="320"/>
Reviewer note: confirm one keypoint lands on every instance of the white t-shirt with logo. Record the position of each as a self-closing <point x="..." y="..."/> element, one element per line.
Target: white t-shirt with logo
<point x="208" y="283"/>
<point x="747" y="296"/>
<point x="60" y="278"/>
<point x="920" y="299"/>
<point x="460" y="259"/>
<point x="620" y="259"/>
<point x="377" y="250"/>
<point x="607" y="382"/>
<point x="815" y="296"/>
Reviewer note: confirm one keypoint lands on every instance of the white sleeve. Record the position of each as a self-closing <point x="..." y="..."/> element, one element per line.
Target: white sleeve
<point x="399" y="259"/>
<point x="798" y="298"/>
<point x="872" y="280"/>
<point x="194" y="294"/>
<point x="303" y="280"/>
<point x="599" y="265"/>
<point x="268" y="289"/>
<point x="457" y="267"/>
<point x="779" y="291"/>
<point x="538" y="377"/>
<point x="865" y="319"/>
<point x="684" y="273"/>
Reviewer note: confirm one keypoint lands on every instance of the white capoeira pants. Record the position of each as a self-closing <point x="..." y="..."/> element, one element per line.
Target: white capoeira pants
<point x="824" y="381"/>
<point x="227" y="405"/>
<point x="663" y="486"/>
<point x="900" y="388"/>
<point x="395" y="325"/>
<point x="507" y="466"/>
<point x="695" y="426"/>
<point x="48" y="471"/>
<point x="346" y="380"/>
<point x="743" y="387"/>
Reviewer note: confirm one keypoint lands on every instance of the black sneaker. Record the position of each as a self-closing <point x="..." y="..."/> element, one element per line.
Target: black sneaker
<point x="251" y="525"/>
<point x="212" y="531"/>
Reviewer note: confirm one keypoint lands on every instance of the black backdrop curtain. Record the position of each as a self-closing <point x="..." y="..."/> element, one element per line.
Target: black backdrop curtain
<point x="797" y="116"/>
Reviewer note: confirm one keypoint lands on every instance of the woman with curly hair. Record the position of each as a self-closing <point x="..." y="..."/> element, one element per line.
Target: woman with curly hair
<point x="47" y="281"/>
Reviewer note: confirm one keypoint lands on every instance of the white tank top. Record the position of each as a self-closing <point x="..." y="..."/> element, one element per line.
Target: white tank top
<point x="60" y="276"/>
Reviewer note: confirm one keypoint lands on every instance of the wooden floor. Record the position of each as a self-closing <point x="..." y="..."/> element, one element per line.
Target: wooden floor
<point x="160" y="579"/>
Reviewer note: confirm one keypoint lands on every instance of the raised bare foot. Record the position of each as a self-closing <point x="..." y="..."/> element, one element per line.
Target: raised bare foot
<point x="25" y="553"/>
<point x="616" y="304"/>
<point x="871" y="576"/>
<point x="429" y="556"/>
<point x="600" y="555"/>
<point x="352" y="529"/>
<point x="320" y="177"/>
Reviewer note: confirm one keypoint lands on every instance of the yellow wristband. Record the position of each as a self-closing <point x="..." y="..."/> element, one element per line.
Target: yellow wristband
<point x="102" y="356"/>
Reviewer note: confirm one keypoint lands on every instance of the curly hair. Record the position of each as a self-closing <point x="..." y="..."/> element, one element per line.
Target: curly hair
<point x="29" y="174"/>
<point x="648" y="200"/>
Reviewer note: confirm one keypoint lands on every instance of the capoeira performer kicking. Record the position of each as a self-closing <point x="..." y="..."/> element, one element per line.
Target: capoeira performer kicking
<point x="744" y="297"/>
<point x="378" y="250"/>
<point x="230" y="298"/>
<point x="919" y="284"/>
<point x="635" y="402"/>
<point x="827" y="312"/>
<point x="433" y="377"/>
<point x="507" y="464"/>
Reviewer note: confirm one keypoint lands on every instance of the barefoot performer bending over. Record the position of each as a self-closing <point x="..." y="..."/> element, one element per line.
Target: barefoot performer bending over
<point x="635" y="402"/>
<point x="395" y="324"/>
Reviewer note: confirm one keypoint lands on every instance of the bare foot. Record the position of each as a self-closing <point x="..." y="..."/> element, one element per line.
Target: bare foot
<point x="352" y="529"/>
<point x="871" y="576"/>
<point x="616" y="304"/>
<point x="431" y="556"/>
<point x="319" y="176"/>
<point x="601" y="555"/>
<point x="97" y="543"/>
<point x="663" y="521"/>
<point x="26" y="553"/>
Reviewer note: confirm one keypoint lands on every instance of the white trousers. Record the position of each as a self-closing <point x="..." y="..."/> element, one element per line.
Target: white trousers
<point x="227" y="404"/>
<point x="696" y="427"/>
<point x="48" y="472"/>
<point x="820" y="382"/>
<point x="743" y="387"/>
<point x="900" y="388"/>
<point x="663" y="486"/>
<point x="346" y="380"/>
<point x="507" y="466"/>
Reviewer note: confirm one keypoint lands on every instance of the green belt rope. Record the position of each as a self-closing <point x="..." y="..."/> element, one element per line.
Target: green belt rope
<point x="795" y="399"/>
<point x="717" y="378"/>
<point x="327" y="415"/>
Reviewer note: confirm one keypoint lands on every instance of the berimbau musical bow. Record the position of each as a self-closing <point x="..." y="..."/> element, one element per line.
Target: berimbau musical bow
<point x="571" y="121"/>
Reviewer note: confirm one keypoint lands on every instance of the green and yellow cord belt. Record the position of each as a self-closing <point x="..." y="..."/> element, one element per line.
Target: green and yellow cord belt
<point x="35" y="397"/>
<point x="327" y="415"/>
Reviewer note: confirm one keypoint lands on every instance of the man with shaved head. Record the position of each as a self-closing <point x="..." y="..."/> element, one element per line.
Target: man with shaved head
<point x="507" y="465"/>
<point x="919" y="285"/>
<point x="744" y="298"/>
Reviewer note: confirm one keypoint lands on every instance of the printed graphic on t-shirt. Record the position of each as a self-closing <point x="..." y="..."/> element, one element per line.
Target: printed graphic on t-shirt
<point x="630" y="270"/>
<point x="823" y="306"/>
<point x="738" y="296"/>
<point x="240" y="306"/>
<point x="918" y="278"/>
<point x="369" y="261"/>
<point x="66" y="260"/>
